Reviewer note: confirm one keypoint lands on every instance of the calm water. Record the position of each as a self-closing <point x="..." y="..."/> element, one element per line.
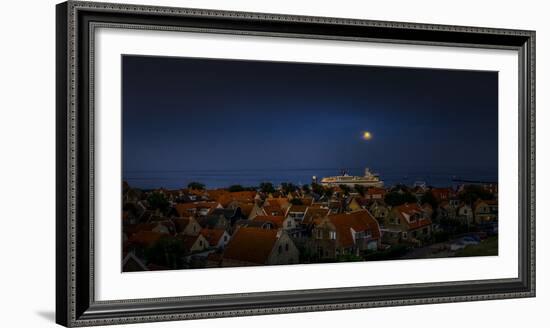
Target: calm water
<point x="224" y="178"/>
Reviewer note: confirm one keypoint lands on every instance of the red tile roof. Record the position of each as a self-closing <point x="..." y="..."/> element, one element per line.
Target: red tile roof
<point x="313" y="213"/>
<point x="307" y="201"/>
<point x="183" y="208"/>
<point x="442" y="193"/>
<point x="405" y="211"/>
<point x="358" y="221"/>
<point x="145" y="238"/>
<point x="188" y="241"/>
<point x="279" y="201"/>
<point x="273" y="210"/>
<point x="215" y="194"/>
<point x="298" y="208"/>
<point x="488" y="202"/>
<point x="213" y="236"/>
<point x="181" y="223"/>
<point x="131" y="229"/>
<point x="252" y="245"/>
<point x="246" y="208"/>
<point x="239" y="196"/>
<point x="277" y="220"/>
<point x="376" y="191"/>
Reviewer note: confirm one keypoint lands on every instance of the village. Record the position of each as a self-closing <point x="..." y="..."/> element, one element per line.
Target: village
<point x="196" y="227"/>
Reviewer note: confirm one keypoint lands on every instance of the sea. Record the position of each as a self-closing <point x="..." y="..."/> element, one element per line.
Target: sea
<point x="176" y="179"/>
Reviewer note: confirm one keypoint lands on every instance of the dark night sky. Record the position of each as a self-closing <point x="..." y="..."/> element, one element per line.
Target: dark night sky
<point x="184" y="114"/>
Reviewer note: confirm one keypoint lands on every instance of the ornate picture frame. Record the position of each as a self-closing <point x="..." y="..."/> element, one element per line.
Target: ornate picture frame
<point x="76" y="304"/>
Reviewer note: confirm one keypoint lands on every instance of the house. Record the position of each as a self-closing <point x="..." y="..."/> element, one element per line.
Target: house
<point x="193" y="244"/>
<point x="314" y="213"/>
<point x="297" y="194"/>
<point x="240" y="196"/>
<point x="345" y="233"/>
<point x="186" y="226"/>
<point x="297" y="212"/>
<point x="375" y="193"/>
<point x="214" y="222"/>
<point x="356" y="231"/>
<point x="445" y="211"/>
<point x="198" y="194"/>
<point x="216" y="238"/>
<point x="246" y="209"/>
<point x="379" y="210"/>
<point x="491" y="188"/>
<point x="274" y="210"/>
<point x="130" y="195"/>
<point x="255" y="211"/>
<point x="254" y="224"/>
<point x="419" y="190"/>
<point x="336" y="205"/>
<point x="307" y="201"/>
<point x="442" y="194"/>
<point x="428" y="210"/>
<point x="465" y="213"/>
<point x="164" y="227"/>
<point x="145" y="238"/>
<point x="215" y="194"/>
<point x="281" y="202"/>
<point x="279" y="222"/>
<point x="196" y="208"/>
<point x="256" y="246"/>
<point x="230" y="214"/>
<point x="135" y="211"/>
<point x="141" y="240"/>
<point x="450" y="207"/>
<point x="214" y="260"/>
<point x="485" y="211"/>
<point x="355" y="204"/>
<point x="131" y="263"/>
<point x="407" y="223"/>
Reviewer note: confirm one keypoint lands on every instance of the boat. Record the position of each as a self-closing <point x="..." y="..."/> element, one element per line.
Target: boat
<point x="367" y="180"/>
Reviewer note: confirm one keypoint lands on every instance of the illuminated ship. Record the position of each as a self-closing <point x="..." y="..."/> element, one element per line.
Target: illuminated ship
<point x="368" y="180"/>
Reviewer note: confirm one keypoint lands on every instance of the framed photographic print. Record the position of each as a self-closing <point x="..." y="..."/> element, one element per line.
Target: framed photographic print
<point x="215" y="163"/>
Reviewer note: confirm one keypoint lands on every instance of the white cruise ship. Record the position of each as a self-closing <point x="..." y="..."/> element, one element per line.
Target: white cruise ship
<point x="368" y="180"/>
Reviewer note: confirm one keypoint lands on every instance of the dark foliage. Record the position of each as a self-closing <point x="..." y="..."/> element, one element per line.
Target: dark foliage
<point x="396" y="198"/>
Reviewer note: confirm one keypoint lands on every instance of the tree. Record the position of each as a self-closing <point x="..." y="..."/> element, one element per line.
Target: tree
<point x="399" y="188"/>
<point x="395" y="198"/>
<point x="306" y="189"/>
<point x="166" y="252"/>
<point x="196" y="186"/>
<point x="317" y="188"/>
<point x="288" y="187"/>
<point x="471" y="193"/>
<point x="158" y="201"/>
<point x="267" y="187"/>
<point x="235" y="188"/>
<point x="322" y="190"/>
<point x="296" y="201"/>
<point x="345" y="188"/>
<point x="360" y="189"/>
<point x="429" y="198"/>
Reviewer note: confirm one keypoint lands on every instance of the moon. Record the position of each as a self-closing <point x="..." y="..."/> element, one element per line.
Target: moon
<point x="367" y="135"/>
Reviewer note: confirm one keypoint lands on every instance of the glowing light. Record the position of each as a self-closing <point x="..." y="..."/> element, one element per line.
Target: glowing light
<point x="367" y="135"/>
